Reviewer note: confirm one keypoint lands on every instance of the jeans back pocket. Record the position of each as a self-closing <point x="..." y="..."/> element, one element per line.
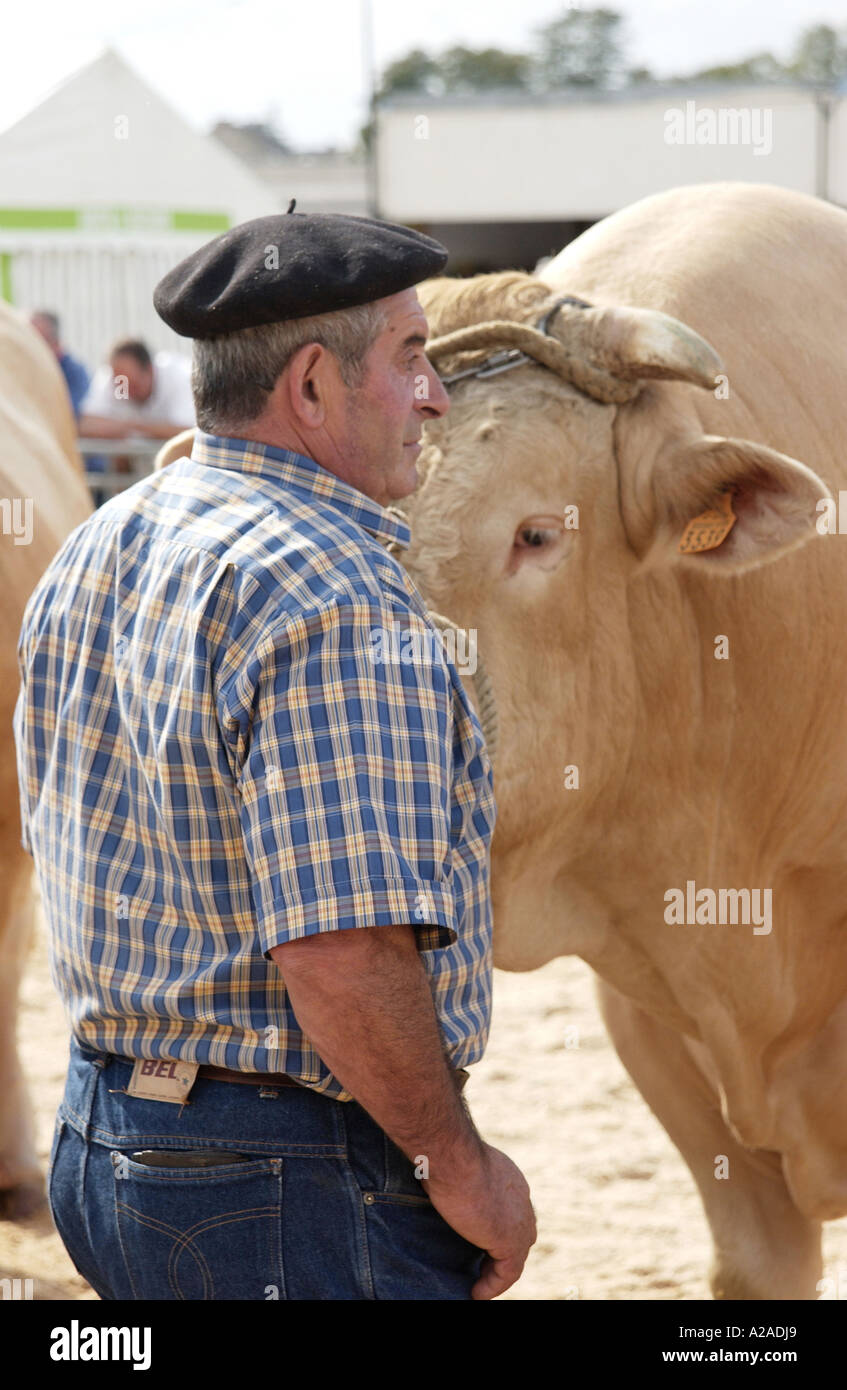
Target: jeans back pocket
<point x="201" y="1233"/>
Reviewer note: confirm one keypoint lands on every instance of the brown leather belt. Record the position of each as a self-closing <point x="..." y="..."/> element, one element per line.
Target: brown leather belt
<point x="247" y="1078"/>
<point x="276" y="1078"/>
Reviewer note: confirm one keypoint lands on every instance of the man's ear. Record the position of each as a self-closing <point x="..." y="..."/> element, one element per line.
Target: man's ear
<point x="305" y="386"/>
<point x="177" y="448"/>
<point x="773" y="498"/>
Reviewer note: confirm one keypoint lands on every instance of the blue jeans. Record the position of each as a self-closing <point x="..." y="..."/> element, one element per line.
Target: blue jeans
<point x="325" y="1207"/>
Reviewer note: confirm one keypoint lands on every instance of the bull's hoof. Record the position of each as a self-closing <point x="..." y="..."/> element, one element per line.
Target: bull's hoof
<point x="22" y="1200"/>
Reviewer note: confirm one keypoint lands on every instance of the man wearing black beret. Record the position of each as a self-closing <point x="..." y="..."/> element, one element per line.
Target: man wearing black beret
<point x="262" y="835"/>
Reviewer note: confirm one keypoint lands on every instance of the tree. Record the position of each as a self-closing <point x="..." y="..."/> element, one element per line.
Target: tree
<point x="482" y="69"/>
<point x="761" y="67"/>
<point x="414" y="72"/>
<point x="820" y="55"/>
<point x="582" y="48"/>
<point x="456" y="70"/>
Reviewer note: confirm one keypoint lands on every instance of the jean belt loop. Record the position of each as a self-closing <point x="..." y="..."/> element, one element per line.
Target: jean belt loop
<point x="98" y="1062"/>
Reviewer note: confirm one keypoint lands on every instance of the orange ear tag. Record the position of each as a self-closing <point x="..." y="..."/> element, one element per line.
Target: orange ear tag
<point x="708" y="530"/>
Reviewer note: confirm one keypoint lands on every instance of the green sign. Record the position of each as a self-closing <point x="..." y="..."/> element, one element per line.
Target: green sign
<point x="105" y="219"/>
<point x="6" y="276"/>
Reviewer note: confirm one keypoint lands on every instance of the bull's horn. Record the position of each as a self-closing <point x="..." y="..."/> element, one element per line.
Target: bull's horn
<point x="604" y="352"/>
<point x="634" y="344"/>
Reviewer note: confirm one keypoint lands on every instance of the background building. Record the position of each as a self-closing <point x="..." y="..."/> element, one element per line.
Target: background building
<point x="102" y="189"/>
<point x="506" y="178"/>
<point x="321" y="181"/>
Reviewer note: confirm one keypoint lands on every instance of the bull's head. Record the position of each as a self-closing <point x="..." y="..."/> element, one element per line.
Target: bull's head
<point x="552" y="502"/>
<point x="609" y="354"/>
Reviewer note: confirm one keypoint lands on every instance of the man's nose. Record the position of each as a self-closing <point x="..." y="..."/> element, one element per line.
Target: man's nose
<point x="436" y="402"/>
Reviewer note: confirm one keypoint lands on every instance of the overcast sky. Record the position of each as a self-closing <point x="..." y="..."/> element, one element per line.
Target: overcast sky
<point x="301" y="64"/>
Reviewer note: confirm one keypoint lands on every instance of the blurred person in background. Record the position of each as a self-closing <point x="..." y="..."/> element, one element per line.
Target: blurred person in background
<point x="76" y="374"/>
<point x="136" y="393"/>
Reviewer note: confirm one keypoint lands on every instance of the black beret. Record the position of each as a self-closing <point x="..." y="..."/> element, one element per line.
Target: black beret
<point x="290" y="265"/>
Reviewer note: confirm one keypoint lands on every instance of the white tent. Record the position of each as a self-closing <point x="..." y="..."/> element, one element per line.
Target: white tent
<point x="103" y="187"/>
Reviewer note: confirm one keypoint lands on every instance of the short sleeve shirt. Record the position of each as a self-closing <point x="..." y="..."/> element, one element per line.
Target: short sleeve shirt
<point x="76" y="378"/>
<point x="237" y="726"/>
<point x="170" y="400"/>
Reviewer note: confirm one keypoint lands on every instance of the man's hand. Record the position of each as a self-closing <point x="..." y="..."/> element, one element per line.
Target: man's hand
<point x="363" y="999"/>
<point x="490" y="1206"/>
<point x="156" y="429"/>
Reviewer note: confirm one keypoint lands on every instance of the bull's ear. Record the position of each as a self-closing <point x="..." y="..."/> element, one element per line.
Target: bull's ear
<point x="177" y="448"/>
<point x="774" y="500"/>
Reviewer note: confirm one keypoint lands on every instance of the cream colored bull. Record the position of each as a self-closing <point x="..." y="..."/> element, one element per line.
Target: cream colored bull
<point x="699" y="701"/>
<point x="670" y="719"/>
<point x="43" y="495"/>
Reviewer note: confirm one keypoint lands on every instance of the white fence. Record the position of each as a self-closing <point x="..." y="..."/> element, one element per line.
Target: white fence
<point x="101" y="288"/>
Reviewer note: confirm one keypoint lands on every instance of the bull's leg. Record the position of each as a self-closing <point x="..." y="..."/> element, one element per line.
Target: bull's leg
<point x="21" y="1182"/>
<point x="764" y="1247"/>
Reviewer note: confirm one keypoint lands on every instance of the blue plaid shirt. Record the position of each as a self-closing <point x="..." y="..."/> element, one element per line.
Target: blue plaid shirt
<point x="213" y="759"/>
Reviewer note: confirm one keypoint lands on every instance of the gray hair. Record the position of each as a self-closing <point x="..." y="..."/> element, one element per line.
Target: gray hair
<point x="233" y="375"/>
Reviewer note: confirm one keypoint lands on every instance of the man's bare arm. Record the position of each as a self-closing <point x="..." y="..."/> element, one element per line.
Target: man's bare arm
<point x="101" y="427"/>
<point x="157" y="429"/>
<point x="363" y="999"/>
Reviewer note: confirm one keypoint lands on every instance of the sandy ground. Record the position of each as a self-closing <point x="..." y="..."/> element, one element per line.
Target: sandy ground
<point x="618" y="1213"/>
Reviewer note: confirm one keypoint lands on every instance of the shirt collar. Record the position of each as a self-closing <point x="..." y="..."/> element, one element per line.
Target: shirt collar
<point x="304" y="475"/>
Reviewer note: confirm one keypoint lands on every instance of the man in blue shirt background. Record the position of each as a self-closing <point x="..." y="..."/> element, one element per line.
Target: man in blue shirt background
<point x="76" y="374"/>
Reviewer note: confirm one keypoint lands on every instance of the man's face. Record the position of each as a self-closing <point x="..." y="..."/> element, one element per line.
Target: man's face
<point x="44" y="327"/>
<point x="139" y="380"/>
<point x="384" y="416"/>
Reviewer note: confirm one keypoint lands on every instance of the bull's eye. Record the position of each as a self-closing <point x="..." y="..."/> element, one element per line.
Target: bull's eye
<point x="537" y="536"/>
<point x="539" y="543"/>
